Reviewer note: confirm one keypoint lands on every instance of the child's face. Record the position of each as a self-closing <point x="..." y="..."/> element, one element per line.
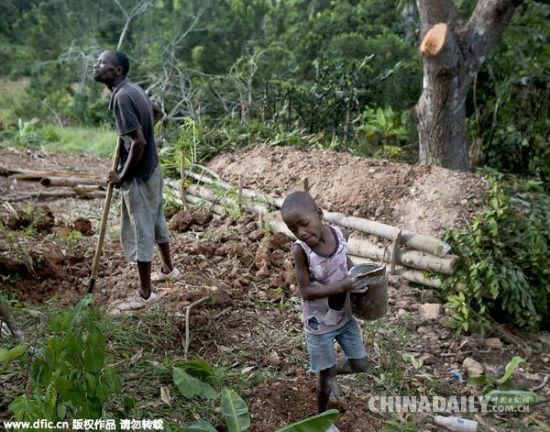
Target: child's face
<point x="306" y="225"/>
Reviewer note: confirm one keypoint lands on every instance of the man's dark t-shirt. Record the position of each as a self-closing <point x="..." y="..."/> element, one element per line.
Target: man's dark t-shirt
<point x="133" y="110"/>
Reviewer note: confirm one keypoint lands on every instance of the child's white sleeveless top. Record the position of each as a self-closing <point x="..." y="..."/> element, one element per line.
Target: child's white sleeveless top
<point x="318" y="317"/>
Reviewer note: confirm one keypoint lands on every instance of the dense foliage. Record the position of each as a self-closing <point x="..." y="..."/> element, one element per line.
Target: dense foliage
<point x="504" y="271"/>
<point x="314" y="67"/>
<point x="70" y="375"/>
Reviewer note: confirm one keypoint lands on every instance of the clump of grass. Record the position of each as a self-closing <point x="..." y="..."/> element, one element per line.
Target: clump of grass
<point x="99" y="141"/>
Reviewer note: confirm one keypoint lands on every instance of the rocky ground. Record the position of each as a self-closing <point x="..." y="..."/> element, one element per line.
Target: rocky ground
<point x="250" y="322"/>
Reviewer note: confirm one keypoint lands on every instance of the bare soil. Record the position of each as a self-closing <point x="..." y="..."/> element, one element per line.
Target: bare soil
<point x="423" y="199"/>
<point x="251" y="321"/>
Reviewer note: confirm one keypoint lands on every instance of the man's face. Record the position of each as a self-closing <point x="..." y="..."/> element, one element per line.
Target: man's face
<point x="105" y="69"/>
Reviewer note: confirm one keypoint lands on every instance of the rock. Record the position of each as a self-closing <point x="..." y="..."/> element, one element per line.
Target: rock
<point x="84" y="226"/>
<point x="430" y="311"/>
<point x="493" y="343"/>
<point x="426" y="295"/>
<point x="274" y="358"/>
<point x="544" y="338"/>
<point x="472" y="366"/>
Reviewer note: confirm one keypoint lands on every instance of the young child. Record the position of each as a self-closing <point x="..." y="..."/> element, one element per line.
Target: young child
<point x="321" y="265"/>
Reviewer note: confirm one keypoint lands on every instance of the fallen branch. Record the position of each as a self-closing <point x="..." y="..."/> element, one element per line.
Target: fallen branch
<point x="187" y="332"/>
<point x="44" y="195"/>
<point x="360" y="247"/>
<point x="199" y="202"/>
<point x="25" y="174"/>
<point x="71" y="181"/>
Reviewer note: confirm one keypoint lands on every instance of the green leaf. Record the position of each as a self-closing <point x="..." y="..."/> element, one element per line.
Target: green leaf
<point x="510" y="369"/>
<point x="200" y="426"/>
<point x="61" y="411"/>
<point x="191" y="387"/>
<point x="94" y="353"/>
<point x="11" y="354"/>
<point x="320" y="422"/>
<point x="511" y="398"/>
<point x="199" y="369"/>
<point x="235" y="411"/>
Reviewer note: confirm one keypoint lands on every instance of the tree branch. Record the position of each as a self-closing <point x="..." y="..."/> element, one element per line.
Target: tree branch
<point x="487" y="22"/>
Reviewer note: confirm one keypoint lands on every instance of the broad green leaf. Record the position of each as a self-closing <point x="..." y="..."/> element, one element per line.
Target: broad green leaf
<point x="320" y="422"/>
<point x="61" y="411"/>
<point x="510" y="369"/>
<point x="13" y="353"/>
<point x="235" y="411"/>
<point x="200" y="426"/>
<point x="94" y="354"/>
<point x="191" y="387"/>
<point x="199" y="369"/>
<point x="511" y="398"/>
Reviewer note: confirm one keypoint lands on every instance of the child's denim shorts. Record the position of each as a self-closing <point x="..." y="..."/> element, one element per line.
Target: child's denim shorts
<point x="321" y="347"/>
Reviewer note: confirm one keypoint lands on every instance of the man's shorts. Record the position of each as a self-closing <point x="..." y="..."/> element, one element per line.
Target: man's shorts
<point x="321" y="347"/>
<point x="142" y="222"/>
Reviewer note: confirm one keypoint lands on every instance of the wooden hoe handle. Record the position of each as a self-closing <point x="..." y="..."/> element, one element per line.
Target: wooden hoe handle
<point x="102" y="228"/>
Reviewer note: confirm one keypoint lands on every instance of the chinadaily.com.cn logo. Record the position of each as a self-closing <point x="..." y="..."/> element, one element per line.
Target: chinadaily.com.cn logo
<point x="450" y="404"/>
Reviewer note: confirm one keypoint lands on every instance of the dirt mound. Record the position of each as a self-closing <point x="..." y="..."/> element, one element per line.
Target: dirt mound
<point x="423" y="199"/>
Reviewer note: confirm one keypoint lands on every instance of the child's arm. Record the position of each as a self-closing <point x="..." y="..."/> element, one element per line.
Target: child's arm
<point x="310" y="291"/>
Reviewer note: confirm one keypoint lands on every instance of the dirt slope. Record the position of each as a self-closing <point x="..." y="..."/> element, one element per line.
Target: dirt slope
<point x="423" y="199"/>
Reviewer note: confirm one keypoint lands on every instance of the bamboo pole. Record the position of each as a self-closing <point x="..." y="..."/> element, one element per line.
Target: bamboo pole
<point x="197" y="201"/>
<point x="411" y="275"/>
<point x="409" y="258"/>
<point x="278" y="226"/>
<point x="208" y="194"/>
<point x="408" y="239"/>
<point x="276" y="202"/>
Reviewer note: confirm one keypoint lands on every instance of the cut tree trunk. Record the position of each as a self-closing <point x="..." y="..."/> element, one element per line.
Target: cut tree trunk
<point x="452" y="54"/>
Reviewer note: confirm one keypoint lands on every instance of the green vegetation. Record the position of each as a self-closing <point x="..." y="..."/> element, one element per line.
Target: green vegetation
<point x="69" y="373"/>
<point x="276" y="72"/>
<point x="99" y="141"/>
<point x="504" y="270"/>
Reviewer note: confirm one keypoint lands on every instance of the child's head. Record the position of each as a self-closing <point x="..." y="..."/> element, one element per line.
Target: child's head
<point x="303" y="217"/>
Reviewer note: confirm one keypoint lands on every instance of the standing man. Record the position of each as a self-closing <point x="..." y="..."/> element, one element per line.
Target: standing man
<point x="139" y="177"/>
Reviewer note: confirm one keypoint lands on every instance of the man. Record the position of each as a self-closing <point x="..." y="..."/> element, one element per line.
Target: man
<point x="139" y="176"/>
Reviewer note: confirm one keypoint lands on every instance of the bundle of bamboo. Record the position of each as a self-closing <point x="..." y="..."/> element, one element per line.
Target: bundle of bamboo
<point x="411" y="255"/>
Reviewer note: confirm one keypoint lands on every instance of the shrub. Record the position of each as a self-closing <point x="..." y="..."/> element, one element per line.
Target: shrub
<point x="504" y="271"/>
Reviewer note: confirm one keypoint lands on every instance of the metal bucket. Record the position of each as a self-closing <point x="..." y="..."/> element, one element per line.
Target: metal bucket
<point x="372" y="304"/>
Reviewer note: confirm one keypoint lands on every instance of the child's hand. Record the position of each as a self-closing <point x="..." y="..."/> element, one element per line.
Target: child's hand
<point x="359" y="286"/>
<point x="349" y="283"/>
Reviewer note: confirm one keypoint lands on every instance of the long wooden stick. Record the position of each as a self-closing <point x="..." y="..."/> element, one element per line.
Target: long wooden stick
<point x="71" y="181"/>
<point x="102" y="229"/>
<point x="53" y="194"/>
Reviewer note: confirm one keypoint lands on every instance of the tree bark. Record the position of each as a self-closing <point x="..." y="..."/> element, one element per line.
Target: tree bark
<point x="441" y="109"/>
